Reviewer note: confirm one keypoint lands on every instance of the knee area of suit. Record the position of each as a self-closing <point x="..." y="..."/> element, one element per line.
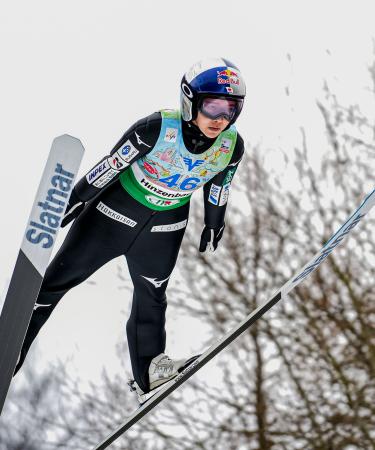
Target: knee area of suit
<point x="150" y="298"/>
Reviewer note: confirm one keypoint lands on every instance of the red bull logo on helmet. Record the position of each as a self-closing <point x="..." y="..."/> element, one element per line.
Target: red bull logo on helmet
<point x="227" y="76"/>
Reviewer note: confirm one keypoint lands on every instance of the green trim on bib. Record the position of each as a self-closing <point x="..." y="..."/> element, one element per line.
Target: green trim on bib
<point x="149" y="199"/>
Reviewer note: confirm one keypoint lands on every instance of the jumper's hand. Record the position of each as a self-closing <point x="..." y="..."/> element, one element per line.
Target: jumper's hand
<point x="210" y="237"/>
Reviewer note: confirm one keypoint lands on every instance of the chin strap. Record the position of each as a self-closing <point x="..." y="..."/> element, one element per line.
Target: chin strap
<point x="195" y="140"/>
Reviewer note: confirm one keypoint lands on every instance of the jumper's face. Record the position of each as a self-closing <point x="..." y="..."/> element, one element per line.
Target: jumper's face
<point x="210" y="127"/>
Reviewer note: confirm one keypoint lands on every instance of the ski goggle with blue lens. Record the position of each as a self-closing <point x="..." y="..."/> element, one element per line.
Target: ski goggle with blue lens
<point x="219" y="107"/>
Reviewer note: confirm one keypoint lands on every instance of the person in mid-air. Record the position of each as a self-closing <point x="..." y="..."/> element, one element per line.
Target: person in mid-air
<point x="135" y="202"/>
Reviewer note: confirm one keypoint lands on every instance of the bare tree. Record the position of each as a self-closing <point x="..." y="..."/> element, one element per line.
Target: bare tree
<point x="30" y="419"/>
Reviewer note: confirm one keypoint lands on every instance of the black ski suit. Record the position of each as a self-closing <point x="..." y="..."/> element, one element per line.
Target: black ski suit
<point x="113" y="223"/>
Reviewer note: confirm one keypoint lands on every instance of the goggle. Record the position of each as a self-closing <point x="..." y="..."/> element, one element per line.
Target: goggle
<point x="215" y="108"/>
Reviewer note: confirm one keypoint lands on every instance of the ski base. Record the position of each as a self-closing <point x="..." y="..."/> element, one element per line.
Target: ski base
<point x="40" y="235"/>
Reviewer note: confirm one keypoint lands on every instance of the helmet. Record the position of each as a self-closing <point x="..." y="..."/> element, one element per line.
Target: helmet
<point x="213" y="77"/>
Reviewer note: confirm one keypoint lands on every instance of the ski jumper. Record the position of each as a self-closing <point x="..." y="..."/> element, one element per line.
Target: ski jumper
<point x="137" y="205"/>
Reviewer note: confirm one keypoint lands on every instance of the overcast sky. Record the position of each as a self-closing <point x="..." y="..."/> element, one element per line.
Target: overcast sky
<point x="91" y="68"/>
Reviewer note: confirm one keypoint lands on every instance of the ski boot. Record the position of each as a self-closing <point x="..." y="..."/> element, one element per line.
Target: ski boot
<point x="162" y="370"/>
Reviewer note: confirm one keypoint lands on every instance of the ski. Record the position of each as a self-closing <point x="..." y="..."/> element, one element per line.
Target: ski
<point x="40" y="235"/>
<point x="318" y="258"/>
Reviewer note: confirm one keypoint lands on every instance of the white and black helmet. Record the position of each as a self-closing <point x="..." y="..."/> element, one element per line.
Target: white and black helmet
<point x="212" y="77"/>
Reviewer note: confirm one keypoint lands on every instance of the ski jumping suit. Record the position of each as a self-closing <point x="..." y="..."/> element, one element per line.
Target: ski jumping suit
<point x="137" y="205"/>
